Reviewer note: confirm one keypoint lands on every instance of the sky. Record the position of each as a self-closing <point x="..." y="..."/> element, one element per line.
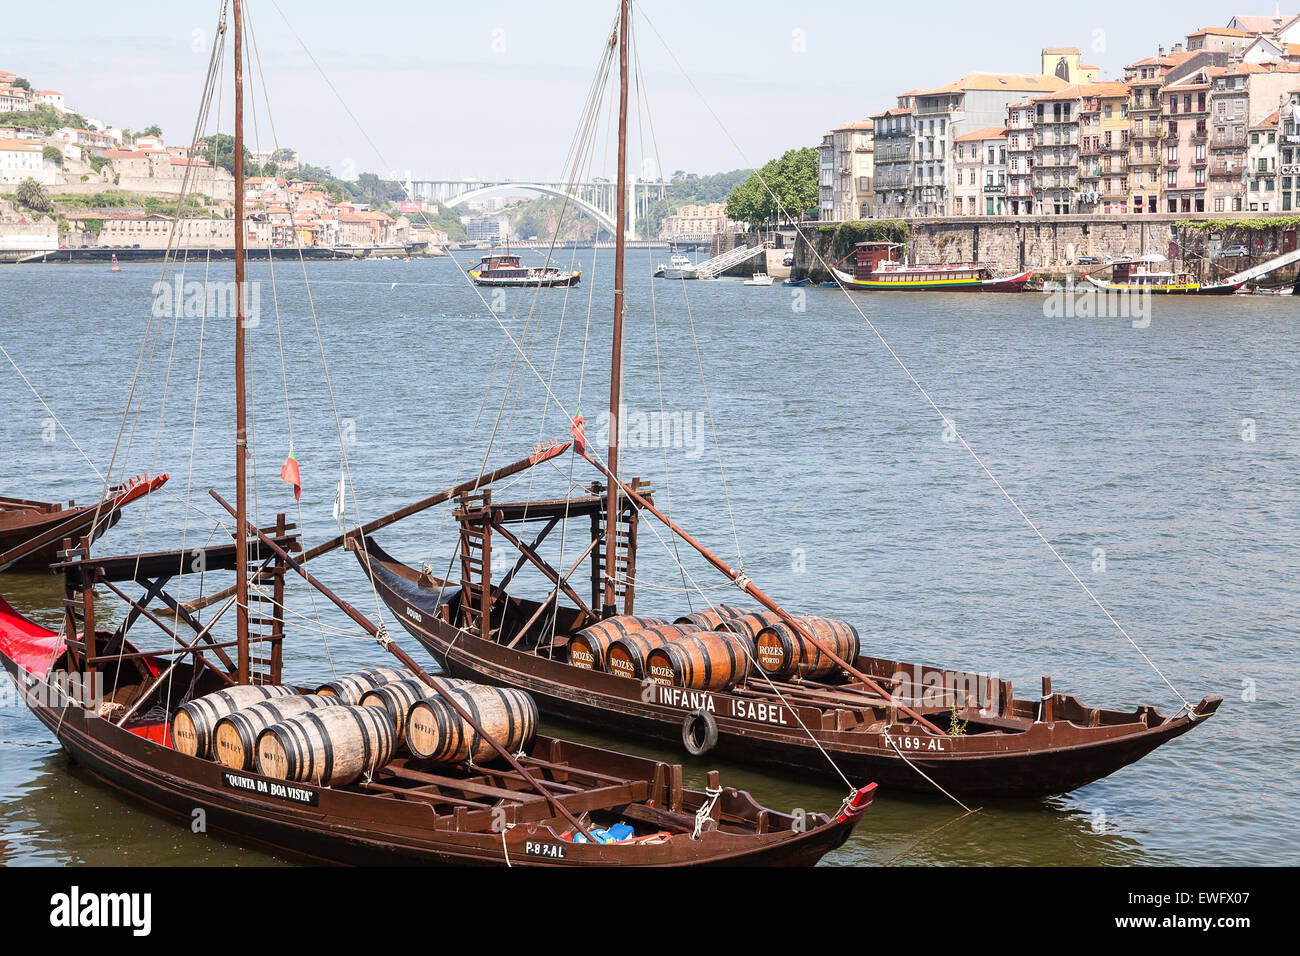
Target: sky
<point x="447" y="90"/>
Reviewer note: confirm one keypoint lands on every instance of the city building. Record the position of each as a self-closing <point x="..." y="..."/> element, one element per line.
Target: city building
<point x="850" y="152"/>
<point x="22" y="159"/>
<point x="487" y="228"/>
<point x="976" y="101"/>
<point x="892" y="155"/>
<point x="1057" y="145"/>
<point x="1020" y="157"/>
<point x="980" y="164"/>
<point x="1185" y="120"/>
<point x="1262" y="164"/>
<point x="696" y="219"/>
<point x="1064" y="63"/>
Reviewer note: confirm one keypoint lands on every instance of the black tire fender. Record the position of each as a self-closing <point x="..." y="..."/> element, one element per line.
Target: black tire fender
<point x="699" y="732"/>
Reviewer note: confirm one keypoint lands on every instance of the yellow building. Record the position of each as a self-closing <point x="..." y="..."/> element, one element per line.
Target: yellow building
<point x="1063" y="62"/>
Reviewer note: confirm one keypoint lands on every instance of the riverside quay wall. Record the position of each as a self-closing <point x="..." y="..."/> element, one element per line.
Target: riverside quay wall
<point x="1053" y="245"/>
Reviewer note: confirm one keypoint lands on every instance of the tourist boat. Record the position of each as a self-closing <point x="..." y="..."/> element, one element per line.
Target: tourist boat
<point x="877" y="271"/>
<point x="33" y="532"/>
<point x="759" y="278"/>
<point x="679" y="267"/>
<point x="116" y="267"/>
<point x="335" y="787"/>
<point x="507" y="269"/>
<point x="1144" y="274"/>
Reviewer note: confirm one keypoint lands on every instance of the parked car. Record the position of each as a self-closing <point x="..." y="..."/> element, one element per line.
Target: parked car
<point x="1228" y="252"/>
<point x="1088" y="260"/>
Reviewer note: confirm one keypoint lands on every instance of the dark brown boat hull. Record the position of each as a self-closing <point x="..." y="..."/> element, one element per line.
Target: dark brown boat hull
<point x="1043" y="761"/>
<point x="355" y="829"/>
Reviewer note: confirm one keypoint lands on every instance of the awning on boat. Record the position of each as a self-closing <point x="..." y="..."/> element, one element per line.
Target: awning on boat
<point x="28" y="645"/>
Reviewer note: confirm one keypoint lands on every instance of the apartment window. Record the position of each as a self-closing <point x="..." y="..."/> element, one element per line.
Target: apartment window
<point x="1254" y="139"/>
<point x="1218" y="205"/>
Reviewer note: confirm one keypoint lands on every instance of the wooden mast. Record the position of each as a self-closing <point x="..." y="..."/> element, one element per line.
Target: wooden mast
<point x="241" y="411"/>
<point x="616" y="362"/>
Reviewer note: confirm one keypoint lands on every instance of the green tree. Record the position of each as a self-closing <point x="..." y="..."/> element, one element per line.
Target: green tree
<point x="783" y="190"/>
<point x="219" y="150"/>
<point x="155" y="130"/>
<point x="52" y="154"/>
<point x="32" y="195"/>
<point x="22" y="84"/>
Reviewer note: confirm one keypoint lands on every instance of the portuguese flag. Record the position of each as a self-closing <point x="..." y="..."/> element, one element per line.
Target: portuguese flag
<point x="579" y="438"/>
<point x="289" y="472"/>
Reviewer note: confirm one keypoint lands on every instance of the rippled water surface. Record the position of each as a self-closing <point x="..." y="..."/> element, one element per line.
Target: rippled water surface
<point x="1161" y="462"/>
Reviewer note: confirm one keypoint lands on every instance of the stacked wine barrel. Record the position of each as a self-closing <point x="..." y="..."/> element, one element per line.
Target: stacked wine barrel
<point x="784" y="653"/>
<point x="705" y="660"/>
<point x="194" y="723"/>
<point x="331" y="746"/>
<point x="436" y="732"/>
<point x="711" y="618"/>
<point x="400" y="696"/>
<point x="626" y="656"/>
<point x="351" y="687"/>
<point x="588" y="647"/>
<point x="235" y="735"/>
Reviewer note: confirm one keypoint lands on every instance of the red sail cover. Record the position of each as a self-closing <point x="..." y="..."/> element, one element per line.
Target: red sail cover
<point x="28" y="645"/>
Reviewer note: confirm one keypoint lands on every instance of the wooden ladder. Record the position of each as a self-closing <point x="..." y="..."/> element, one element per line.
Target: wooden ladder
<point x="476" y="562"/>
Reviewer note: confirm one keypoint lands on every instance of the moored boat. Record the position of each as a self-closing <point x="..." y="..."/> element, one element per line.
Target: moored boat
<point x="332" y="782"/>
<point x="876" y="270"/>
<point x="507" y="269"/>
<point x="32" y="532"/>
<point x="1145" y="275"/>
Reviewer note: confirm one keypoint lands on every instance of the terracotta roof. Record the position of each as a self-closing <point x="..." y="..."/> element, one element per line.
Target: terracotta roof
<point x="1269" y="120"/>
<point x="1017" y="82"/>
<point x="859" y="125"/>
<point x="21" y="144"/>
<point x="896" y="111"/>
<point x="988" y="132"/>
<point x="1223" y="31"/>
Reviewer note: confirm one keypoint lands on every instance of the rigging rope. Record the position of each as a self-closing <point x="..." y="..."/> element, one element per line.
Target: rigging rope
<point x="920" y="388"/>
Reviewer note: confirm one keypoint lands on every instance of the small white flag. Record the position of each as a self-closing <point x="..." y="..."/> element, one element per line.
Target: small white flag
<point x="340" y="509"/>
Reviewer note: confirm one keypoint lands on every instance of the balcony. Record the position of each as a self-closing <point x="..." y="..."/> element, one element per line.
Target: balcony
<point x="1199" y="161"/>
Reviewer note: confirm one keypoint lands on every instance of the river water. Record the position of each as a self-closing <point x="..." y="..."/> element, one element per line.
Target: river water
<point x="1159" y="458"/>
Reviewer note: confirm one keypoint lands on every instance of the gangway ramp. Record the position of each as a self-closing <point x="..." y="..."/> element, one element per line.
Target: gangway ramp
<point x="711" y="268"/>
<point x="1264" y="268"/>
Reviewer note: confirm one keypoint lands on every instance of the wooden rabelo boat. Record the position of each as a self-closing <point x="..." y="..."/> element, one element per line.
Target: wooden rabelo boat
<point x="459" y="776"/>
<point x="31" y="532"/>
<point x="759" y="684"/>
<point x="875" y="270"/>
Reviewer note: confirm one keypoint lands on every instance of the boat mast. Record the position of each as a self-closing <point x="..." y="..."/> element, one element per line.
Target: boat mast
<point x="241" y="411"/>
<point x="616" y="362"/>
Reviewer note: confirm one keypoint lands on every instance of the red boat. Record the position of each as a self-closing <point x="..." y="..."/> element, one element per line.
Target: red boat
<point x="877" y="271"/>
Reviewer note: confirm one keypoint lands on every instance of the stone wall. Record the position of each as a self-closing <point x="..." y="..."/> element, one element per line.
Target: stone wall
<point x="1052" y="245"/>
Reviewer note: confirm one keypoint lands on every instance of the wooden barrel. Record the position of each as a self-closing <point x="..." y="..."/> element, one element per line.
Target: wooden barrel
<point x="434" y="731"/>
<point x="710" y="618"/>
<point x="587" y="648"/>
<point x="749" y="625"/>
<point x="194" y="722"/>
<point x="234" y="738"/>
<point x="398" y="697"/>
<point x="329" y="747"/>
<point x="783" y="652"/>
<point x="350" y="687"/>
<point x="709" y="660"/>
<point x="626" y="656"/>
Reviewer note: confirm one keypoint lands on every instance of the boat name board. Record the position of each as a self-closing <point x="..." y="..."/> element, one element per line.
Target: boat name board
<point x="756" y="710"/>
<point x="270" y="788"/>
<point x="552" y="851"/>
